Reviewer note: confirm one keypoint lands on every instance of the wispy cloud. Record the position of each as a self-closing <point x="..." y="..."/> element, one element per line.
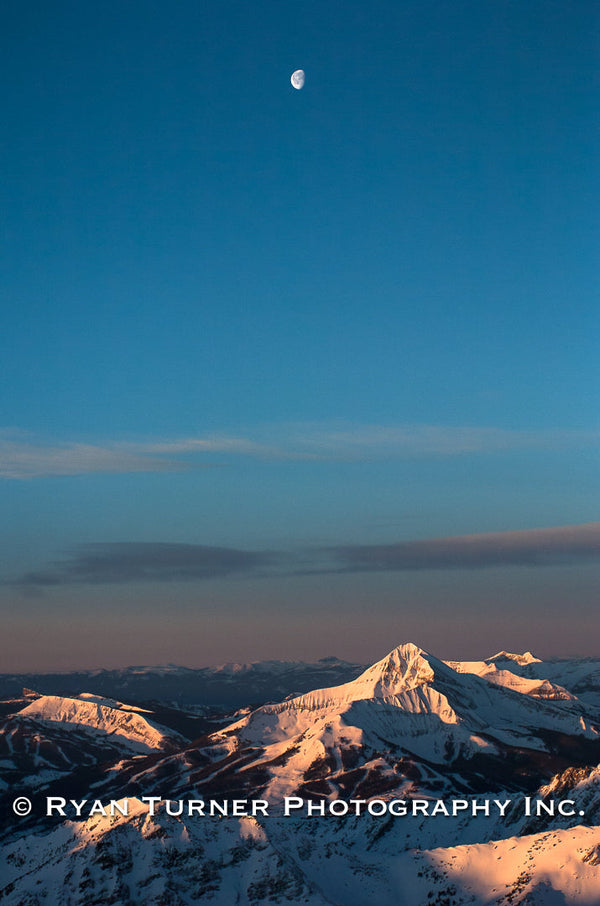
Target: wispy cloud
<point x="375" y="441"/>
<point x="25" y="458"/>
<point x="126" y="562"/>
<point x="22" y="456"/>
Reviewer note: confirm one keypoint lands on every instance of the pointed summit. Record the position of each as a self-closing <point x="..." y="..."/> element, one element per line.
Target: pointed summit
<point x="404" y="668"/>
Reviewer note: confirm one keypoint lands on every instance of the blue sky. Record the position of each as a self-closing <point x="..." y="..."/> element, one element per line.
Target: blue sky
<point x="242" y="318"/>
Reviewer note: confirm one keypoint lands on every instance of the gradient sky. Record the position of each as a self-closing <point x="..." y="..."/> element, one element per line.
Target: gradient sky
<point x="261" y="347"/>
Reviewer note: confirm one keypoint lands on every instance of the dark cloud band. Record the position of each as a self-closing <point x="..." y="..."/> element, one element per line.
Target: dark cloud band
<point x="536" y="547"/>
<point x="97" y="564"/>
<point x="125" y="562"/>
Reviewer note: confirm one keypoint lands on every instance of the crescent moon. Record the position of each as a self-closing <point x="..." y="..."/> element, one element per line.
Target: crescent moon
<point x="297" y="79"/>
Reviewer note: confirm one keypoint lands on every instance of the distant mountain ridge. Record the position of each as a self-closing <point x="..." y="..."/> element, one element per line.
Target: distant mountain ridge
<point x="225" y="686"/>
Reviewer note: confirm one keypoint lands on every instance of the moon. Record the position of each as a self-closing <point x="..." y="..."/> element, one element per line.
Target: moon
<point x="297" y="79"/>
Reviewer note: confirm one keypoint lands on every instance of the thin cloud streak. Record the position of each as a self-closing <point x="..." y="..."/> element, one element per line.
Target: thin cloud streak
<point x="19" y="461"/>
<point x="22" y="457"/>
<point x="126" y="562"/>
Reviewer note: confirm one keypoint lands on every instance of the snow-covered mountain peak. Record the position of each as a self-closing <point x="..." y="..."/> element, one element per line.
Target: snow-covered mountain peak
<point x="97" y="715"/>
<point x="522" y="659"/>
<point x="404" y="668"/>
<point x="108" y="702"/>
<point x="422" y="704"/>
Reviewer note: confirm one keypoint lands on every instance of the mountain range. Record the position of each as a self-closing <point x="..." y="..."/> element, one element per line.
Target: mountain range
<point x="413" y="781"/>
